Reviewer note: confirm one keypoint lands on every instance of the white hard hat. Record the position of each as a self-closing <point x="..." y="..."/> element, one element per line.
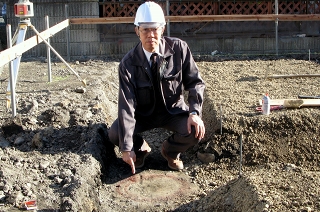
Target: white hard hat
<point x="150" y="14"/>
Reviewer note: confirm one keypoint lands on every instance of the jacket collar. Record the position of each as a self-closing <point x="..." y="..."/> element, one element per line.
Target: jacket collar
<point x="165" y="49"/>
<point x="138" y="56"/>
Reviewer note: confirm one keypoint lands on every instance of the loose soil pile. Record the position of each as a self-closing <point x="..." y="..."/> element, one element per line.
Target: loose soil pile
<point x="56" y="149"/>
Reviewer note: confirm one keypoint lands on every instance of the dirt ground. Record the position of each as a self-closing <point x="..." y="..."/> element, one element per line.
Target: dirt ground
<point x="56" y="150"/>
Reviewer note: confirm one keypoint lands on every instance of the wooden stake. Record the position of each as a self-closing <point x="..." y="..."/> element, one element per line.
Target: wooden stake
<point x="294" y="76"/>
<point x="294" y="103"/>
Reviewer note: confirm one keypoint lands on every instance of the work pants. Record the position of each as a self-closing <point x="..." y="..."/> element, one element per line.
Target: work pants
<point x="178" y="142"/>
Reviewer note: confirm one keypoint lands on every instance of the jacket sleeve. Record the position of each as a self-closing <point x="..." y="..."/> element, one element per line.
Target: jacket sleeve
<point x="126" y="109"/>
<point x="192" y="80"/>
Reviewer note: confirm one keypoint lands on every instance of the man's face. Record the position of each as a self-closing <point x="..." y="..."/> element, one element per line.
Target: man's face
<point x="150" y="37"/>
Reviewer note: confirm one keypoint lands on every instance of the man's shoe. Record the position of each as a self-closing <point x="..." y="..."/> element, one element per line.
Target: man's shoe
<point x="175" y="164"/>
<point x="141" y="155"/>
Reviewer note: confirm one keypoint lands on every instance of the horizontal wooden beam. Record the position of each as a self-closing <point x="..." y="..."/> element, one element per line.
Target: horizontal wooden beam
<point x="202" y="18"/>
<point x="105" y="20"/>
<point x="18" y="49"/>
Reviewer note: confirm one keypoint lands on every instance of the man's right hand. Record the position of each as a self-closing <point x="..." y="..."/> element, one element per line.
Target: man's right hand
<point x="130" y="157"/>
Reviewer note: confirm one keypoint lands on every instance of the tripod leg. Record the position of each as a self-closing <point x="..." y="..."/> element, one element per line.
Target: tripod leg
<point x="15" y="35"/>
<point x="20" y="36"/>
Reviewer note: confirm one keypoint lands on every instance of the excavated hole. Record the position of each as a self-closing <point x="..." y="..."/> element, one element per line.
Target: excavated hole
<point x="155" y="187"/>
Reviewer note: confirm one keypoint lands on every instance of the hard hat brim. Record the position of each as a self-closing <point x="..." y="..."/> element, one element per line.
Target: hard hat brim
<point x="150" y="24"/>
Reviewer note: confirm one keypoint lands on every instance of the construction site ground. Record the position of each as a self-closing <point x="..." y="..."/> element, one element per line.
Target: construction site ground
<point x="56" y="149"/>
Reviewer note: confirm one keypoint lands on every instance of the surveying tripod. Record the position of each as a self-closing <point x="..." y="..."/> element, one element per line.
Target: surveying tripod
<point x="24" y="10"/>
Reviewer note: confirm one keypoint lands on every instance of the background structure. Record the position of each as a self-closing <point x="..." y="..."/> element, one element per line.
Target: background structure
<point x="226" y="37"/>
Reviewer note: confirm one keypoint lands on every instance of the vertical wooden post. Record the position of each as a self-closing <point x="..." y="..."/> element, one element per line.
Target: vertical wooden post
<point x="276" y="11"/>
<point x="48" y="51"/>
<point x="67" y="34"/>
<point x="104" y="10"/>
<point x="269" y="10"/>
<point x="168" y="13"/>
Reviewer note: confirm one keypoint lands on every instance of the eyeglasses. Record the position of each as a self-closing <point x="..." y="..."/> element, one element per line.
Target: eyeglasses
<point x="145" y="31"/>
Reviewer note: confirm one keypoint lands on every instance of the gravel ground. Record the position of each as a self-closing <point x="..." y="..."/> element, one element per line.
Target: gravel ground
<point x="56" y="149"/>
